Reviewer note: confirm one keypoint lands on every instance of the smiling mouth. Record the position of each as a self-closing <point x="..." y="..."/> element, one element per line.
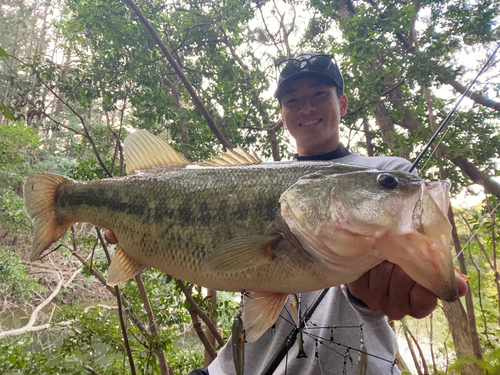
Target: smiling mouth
<point x="310" y="123"/>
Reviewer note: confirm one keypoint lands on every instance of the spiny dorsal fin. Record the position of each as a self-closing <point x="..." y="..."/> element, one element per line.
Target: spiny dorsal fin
<point x="143" y="150"/>
<point x="232" y="157"/>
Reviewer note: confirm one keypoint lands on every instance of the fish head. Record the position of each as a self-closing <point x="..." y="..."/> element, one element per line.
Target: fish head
<point x="354" y="221"/>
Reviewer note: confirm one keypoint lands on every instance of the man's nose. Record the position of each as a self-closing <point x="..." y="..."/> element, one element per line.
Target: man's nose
<point x="306" y="107"/>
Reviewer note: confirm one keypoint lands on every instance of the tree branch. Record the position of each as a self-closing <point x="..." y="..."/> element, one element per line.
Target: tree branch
<point x="34" y="314"/>
<point x="153" y="328"/>
<point x="197" y="101"/>
<point x="477" y="177"/>
<point x="91" y="370"/>
<point x="87" y="134"/>
<point x="120" y="306"/>
<point x="199" y="312"/>
<point x="478" y="98"/>
<point x="273" y="37"/>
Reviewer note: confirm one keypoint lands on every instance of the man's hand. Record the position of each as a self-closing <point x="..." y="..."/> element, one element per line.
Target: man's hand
<point x="389" y="289"/>
<point x="385" y="288"/>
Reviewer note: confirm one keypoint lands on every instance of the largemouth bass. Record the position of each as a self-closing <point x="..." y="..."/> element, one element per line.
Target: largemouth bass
<point x="271" y="228"/>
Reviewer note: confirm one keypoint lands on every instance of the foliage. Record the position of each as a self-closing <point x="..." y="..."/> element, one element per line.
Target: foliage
<point x="80" y="74"/>
<point x="490" y="364"/>
<point x="14" y="283"/>
<point x="16" y="144"/>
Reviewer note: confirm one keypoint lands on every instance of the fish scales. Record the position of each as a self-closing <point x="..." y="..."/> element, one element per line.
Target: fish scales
<point x="272" y="228"/>
<point x="172" y="220"/>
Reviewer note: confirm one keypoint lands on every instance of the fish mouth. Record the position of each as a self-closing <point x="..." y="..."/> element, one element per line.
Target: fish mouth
<point x="423" y="242"/>
<point x="311" y="123"/>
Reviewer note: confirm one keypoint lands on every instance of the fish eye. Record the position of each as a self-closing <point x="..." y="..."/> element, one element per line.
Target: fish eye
<point x="387" y="180"/>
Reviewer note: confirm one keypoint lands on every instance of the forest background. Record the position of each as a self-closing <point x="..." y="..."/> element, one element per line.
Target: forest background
<point x="76" y="76"/>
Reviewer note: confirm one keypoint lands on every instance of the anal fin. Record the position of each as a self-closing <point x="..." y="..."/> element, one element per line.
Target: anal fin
<point x="123" y="267"/>
<point x="260" y="312"/>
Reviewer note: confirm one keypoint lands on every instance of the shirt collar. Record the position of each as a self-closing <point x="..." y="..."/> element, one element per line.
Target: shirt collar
<point x="335" y="154"/>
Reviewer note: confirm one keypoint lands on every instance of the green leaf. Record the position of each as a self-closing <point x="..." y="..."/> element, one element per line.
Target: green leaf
<point x="5" y="110"/>
<point x="3" y="53"/>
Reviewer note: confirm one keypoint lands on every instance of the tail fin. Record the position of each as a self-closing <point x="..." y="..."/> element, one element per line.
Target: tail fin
<point x="40" y="201"/>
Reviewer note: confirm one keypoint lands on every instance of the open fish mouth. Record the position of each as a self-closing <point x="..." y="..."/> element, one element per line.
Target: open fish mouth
<point x="421" y="243"/>
<point x="426" y="255"/>
<point x="405" y="224"/>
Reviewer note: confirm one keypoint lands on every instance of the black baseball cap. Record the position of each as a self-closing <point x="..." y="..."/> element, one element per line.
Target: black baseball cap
<point x="305" y="65"/>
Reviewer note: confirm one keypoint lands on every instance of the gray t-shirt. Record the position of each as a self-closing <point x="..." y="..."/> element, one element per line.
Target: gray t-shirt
<point x="338" y="308"/>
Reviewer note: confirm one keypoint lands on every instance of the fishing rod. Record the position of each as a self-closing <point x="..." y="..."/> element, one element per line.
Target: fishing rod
<point x="291" y="338"/>
<point x="431" y="141"/>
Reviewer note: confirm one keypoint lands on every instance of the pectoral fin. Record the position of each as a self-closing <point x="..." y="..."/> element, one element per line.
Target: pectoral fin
<point x="260" y="312"/>
<point x="242" y="253"/>
<point x="123" y="267"/>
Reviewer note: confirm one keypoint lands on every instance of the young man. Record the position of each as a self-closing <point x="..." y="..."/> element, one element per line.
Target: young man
<point x="311" y="94"/>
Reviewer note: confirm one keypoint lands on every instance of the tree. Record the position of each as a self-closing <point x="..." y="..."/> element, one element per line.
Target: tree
<point x="82" y="82"/>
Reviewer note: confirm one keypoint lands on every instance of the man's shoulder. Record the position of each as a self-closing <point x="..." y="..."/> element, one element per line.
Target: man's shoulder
<point x="379" y="162"/>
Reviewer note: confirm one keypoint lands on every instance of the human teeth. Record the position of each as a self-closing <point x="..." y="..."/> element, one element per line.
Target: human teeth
<point x="310" y="122"/>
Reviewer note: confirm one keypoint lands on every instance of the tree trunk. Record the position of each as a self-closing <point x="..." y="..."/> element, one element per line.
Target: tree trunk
<point x="471" y="317"/>
<point x="412" y="351"/>
<point x="212" y="293"/>
<point x="274" y="145"/>
<point x="386" y="126"/>
<point x="368" y="137"/>
<point x="459" y="327"/>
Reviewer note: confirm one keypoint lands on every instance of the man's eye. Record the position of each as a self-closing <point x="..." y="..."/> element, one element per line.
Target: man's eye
<point x="290" y="101"/>
<point x="319" y="93"/>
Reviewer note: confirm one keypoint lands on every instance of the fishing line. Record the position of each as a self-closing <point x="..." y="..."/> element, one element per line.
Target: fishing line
<point x="322" y="339"/>
<point x="431" y="141"/>
<point x="290" y="340"/>
<point x="292" y="323"/>
<point x="441" y="140"/>
<point x="316" y="355"/>
<point x="334" y="327"/>
<point x="471" y="237"/>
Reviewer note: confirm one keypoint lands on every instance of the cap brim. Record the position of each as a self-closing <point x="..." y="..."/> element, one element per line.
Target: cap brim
<point x="284" y="84"/>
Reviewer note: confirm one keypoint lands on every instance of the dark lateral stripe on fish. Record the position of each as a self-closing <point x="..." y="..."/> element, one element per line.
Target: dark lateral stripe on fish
<point x="186" y="212"/>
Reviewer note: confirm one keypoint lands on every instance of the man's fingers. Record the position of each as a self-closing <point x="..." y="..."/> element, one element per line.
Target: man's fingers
<point x="109" y="236"/>
<point x="422" y="302"/>
<point x="398" y="304"/>
<point x="462" y="285"/>
<point x="380" y="282"/>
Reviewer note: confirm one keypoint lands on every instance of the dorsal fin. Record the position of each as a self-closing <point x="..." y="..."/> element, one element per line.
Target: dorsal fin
<point x="143" y="150"/>
<point x="233" y="157"/>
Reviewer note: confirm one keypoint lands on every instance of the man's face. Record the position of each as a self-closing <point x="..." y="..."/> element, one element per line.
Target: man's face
<point x="311" y="112"/>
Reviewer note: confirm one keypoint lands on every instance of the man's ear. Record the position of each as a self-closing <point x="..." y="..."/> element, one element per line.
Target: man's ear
<point x="284" y="124"/>
<point x="343" y="105"/>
